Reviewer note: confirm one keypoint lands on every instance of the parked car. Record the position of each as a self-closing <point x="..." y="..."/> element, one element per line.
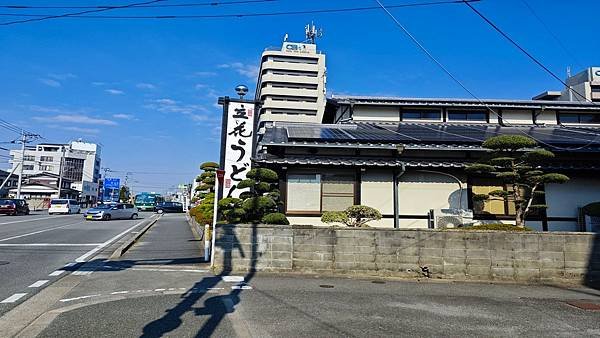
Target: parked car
<point x="64" y="206"/>
<point x="107" y="212"/>
<point x="13" y="206"/>
<point x="168" y="207"/>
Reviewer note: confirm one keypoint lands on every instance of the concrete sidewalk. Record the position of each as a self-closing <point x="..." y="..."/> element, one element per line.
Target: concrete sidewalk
<point x="169" y="242"/>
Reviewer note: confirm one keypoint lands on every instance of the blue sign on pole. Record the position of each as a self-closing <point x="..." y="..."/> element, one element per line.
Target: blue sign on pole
<point x="112" y="183"/>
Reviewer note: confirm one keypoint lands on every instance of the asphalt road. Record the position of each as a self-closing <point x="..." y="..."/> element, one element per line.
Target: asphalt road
<point x="34" y="247"/>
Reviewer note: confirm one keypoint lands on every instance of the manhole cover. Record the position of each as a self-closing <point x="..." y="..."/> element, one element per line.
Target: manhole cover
<point x="326" y="286"/>
<point x="3" y="262"/>
<point x="585" y="305"/>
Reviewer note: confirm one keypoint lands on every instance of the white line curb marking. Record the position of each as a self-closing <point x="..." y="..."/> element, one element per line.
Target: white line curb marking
<point x="13" y="298"/>
<point x="38" y="283"/>
<point x="241" y="287"/>
<point x="51" y="244"/>
<point x="77" y="298"/>
<point x="57" y="273"/>
<point x="234" y="279"/>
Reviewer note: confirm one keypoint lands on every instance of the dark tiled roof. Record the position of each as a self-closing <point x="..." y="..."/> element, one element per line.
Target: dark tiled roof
<point x="425" y="135"/>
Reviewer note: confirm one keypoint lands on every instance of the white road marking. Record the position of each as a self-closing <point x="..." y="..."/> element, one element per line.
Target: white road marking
<point x="233" y="278"/>
<point x="119" y="292"/>
<point x="32" y="220"/>
<point x="241" y="287"/>
<point x="38" y="232"/>
<point x="83" y="272"/>
<point x="70" y="264"/>
<point x="158" y="290"/>
<point x="86" y="255"/>
<point x="78" y="298"/>
<point x="167" y="270"/>
<point x="13" y="298"/>
<point x="49" y="244"/>
<point x="216" y="289"/>
<point x="57" y="273"/>
<point x="38" y="283"/>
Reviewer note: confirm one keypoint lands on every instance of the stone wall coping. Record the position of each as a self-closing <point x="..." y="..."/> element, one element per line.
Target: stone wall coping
<point x="309" y="227"/>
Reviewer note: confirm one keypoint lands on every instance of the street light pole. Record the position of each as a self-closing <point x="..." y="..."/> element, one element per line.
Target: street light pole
<point x="60" y="171"/>
<point x="23" y="140"/>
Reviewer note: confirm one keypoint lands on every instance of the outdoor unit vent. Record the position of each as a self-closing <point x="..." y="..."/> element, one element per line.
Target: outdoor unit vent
<point x="451" y="218"/>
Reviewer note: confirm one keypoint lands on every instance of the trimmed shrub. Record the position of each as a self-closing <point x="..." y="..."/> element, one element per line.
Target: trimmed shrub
<point x="275" y="218"/>
<point x="209" y="166"/>
<point x="354" y="216"/>
<point x="334" y="217"/>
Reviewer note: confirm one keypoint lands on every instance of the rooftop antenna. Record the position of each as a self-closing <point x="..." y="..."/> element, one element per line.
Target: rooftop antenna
<point x="285" y="37"/>
<point x="312" y="32"/>
<point x="568" y="71"/>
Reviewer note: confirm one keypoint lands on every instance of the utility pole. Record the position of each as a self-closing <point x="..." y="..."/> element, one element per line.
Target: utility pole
<point x="60" y="171"/>
<point x="25" y="138"/>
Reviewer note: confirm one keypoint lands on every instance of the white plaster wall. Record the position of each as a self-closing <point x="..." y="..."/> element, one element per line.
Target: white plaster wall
<point x="547" y="117"/>
<point x="377" y="190"/>
<point x="380" y="113"/>
<point x="517" y="116"/>
<point x="564" y="199"/>
<point x="413" y="224"/>
<point x="419" y="192"/>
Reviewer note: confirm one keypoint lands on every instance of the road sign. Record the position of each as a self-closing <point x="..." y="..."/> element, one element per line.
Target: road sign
<point x="112" y="183"/>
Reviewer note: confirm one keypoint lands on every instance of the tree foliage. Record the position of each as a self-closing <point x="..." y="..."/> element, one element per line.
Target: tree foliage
<point x="354" y="216"/>
<point x="516" y="161"/>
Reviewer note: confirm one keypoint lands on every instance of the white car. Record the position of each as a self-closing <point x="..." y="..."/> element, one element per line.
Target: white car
<point x="64" y="206"/>
<point x="107" y="212"/>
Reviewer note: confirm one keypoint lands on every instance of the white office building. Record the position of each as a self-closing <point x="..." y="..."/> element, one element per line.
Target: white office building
<point x="583" y="86"/>
<point x="291" y="83"/>
<point x="80" y="163"/>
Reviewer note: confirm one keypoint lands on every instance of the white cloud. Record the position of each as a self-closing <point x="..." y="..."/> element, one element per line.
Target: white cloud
<point x="249" y="71"/>
<point x="124" y="116"/>
<point x="97" y="83"/>
<point x="82" y="130"/>
<point x="195" y="112"/>
<point x="75" y="118"/>
<point x="114" y="91"/>
<point x="200" y="86"/>
<point x="204" y="74"/>
<point x="62" y="77"/>
<point x="143" y="85"/>
<point x="50" y="82"/>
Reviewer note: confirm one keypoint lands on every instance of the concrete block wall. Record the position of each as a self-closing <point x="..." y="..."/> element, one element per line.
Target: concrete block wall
<point x="450" y="254"/>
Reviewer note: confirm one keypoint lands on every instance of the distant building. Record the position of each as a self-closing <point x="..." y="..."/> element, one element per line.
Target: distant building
<point x="584" y="86"/>
<point x="40" y="188"/>
<point x="80" y="164"/>
<point x="12" y="182"/>
<point x="291" y="83"/>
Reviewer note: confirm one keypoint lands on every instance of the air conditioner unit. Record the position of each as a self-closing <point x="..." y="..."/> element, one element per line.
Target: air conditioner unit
<point x="451" y="218"/>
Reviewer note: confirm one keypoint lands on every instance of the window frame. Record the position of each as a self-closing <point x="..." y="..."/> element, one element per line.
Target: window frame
<point x="559" y="116"/>
<point x="421" y="111"/>
<point x="321" y="179"/>
<point x="467" y="112"/>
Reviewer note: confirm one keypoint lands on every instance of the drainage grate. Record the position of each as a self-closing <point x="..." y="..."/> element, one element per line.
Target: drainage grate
<point x="326" y="286"/>
<point x="3" y="262"/>
<point x="585" y="305"/>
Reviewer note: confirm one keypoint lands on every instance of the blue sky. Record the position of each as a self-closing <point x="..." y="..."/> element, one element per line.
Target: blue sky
<point x="147" y="89"/>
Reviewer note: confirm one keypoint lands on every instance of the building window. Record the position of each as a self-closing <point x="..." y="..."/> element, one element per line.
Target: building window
<point x="422" y="114"/>
<point x="496" y="206"/>
<point x="462" y="115"/>
<point x="29" y="158"/>
<point x="28" y="167"/>
<point x="46" y="158"/>
<point x="315" y="193"/>
<point x="579" y="118"/>
<point x="304" y="193"/>
<point x="46" y="167"/>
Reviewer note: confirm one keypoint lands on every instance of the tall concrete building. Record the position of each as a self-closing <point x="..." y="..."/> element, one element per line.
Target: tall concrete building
<point x="584" y="86"/>
<point x="80" y="164"/>
<point x="291" y="82"/>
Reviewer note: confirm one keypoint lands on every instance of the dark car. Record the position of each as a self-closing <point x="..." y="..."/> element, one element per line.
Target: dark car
<point x="168" y="207"/>
<point x="13" y="206"/>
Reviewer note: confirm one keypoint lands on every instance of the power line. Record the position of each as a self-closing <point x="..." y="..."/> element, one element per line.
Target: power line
<point x="243" y="15"/>
<point x="554" y="36"/>
<point x="523" y="50"/>
<point x="48" y="17"/>
<point x="464" y="87"/>
<point x="194" y="4"/>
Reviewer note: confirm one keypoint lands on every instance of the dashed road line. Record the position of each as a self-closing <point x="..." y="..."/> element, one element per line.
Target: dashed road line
<point x="49" y="244"/>
<point x="39" y="283"/>
<point x="233" y="279"/>
<point x="78" y="298"/>
<point x="13" y="298"/>
<point x="56" y="273"/>
<point x="33" y="219"/>
<point x="38" y="232"/>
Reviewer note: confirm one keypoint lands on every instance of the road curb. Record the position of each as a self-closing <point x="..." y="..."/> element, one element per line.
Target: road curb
<point x="130" y="242"/>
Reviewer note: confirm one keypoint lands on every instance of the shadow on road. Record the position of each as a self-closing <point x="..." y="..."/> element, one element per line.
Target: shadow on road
<point x="216" y="308"/>
<point x="592" y="277"/>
